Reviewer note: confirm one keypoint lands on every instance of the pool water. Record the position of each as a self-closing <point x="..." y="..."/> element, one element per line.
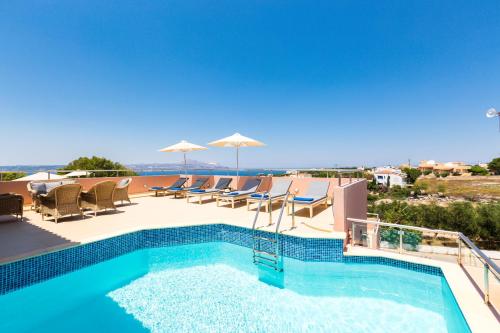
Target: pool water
<point x="214" y="287"/>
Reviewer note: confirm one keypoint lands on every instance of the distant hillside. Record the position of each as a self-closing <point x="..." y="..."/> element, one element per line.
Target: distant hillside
<point x="191" y="164"/>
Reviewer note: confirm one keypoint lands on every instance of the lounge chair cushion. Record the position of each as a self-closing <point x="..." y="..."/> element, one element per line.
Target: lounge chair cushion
<point x="259" y="195"/>
<point x="176" y="188"/>
<point x="198" y="190"/>
<point x="304" y="199"/>
<point x="157" y="188"/>
<point x="233" y="193"/>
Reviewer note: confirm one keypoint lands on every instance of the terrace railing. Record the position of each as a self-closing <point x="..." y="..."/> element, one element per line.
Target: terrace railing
<point x="435" y="244"/>
<point x="351" y="174"/>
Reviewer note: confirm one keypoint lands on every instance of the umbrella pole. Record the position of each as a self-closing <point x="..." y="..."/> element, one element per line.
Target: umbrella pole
<point x="237" y="167"/>
<point x="185" y="165"/>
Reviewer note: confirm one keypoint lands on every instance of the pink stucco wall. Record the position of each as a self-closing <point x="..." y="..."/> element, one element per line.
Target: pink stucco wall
<point x="350" y="202"/>
<point x="141" y="183"/>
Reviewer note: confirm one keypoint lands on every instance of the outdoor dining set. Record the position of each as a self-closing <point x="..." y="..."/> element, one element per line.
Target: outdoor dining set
<point x="66" y="197"/>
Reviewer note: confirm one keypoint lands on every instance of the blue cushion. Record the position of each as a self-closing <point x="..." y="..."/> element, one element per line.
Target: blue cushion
<point x="176" y="188"/>
<point x="198" y="191"/>
<point x="39" y="188"/>
<point x="260" y="195"/>
<point x="156" y="188"/>
<point x="233" y="193"/>
<point x="303" y="199"/>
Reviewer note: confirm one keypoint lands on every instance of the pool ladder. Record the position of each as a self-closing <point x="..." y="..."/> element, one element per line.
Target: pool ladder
<point x="268" y="255"/>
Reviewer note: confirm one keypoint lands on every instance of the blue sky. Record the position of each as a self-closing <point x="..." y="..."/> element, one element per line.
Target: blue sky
<point x="322" y="83"/>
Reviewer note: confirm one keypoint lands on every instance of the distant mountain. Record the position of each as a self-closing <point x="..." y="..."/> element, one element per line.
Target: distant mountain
<point x="191" y="164"/>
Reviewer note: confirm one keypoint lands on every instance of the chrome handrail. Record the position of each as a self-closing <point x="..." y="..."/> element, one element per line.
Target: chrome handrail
<point x="258" y="210"/>
<point x="481" y="256"/>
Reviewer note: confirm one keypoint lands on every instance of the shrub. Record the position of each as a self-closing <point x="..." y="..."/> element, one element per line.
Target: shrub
<point x="6" y="176"/>
<point x="477" y="170"/>
<point x="494" y="166"/>
<point x="478" y="221"/>
<point x="412" y="174"/>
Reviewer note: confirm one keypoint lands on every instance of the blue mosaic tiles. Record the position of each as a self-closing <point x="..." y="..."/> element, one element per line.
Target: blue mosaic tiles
<point x="395" y="263"/>
<point x="28" y="271"/>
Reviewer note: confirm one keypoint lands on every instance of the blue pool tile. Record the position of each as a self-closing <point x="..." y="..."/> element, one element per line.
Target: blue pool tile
<point x="28" y="271"/>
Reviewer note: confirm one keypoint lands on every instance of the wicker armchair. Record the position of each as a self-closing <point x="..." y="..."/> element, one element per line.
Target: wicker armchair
<point x="121" y="190"/>
<point x="100" y="196"/>
<point x="11" y="204"/>
<point x="60" y="201"/>
<point x="38" y="187"/>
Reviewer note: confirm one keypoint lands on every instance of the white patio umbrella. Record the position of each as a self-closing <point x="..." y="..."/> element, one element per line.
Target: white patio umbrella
<point x="183" y="147"/>
<point x="40" y="176"/>
<point x="77" y="173"/>
<point x="237" y="140"/>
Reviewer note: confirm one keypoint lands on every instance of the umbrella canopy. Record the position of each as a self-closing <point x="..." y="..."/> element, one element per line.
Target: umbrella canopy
<point x="183" y="147"/>
<point x="77" y="173"/>
<point x="237" y="140"/>
<point x="41" y="176"/>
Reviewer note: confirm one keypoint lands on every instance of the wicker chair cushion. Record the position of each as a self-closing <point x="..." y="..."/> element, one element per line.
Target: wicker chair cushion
<point x="39" y="188"/>
<point x="122" y="183"/>
<point x="52" y="185"/>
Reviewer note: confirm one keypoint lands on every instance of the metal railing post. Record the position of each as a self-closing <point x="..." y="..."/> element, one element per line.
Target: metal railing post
<point x="486" y="283"/>
<point x="459" y="258"/>
<point x="270" y="207"/>
<point x="401" y="233"/>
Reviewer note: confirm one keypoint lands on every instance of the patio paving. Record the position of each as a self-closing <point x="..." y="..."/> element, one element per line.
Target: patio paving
<point x="34" y="236"/>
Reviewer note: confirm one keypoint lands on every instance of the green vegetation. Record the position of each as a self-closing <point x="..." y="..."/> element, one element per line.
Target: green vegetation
<point x="477" y="170"/>
<point x="479" y="222"/>
<point x="411" y="175"/>
<point x="99" y="163"/>
<point x="335" y="174"/>
<point x="6" y="176"/>
<point x="494" y="166"/>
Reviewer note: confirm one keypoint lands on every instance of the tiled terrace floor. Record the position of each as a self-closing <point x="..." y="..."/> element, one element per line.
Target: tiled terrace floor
<point x="33" y="236"/>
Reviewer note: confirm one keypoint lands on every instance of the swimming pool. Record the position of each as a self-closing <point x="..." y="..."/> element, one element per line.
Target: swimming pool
<point x="214" y="287"/>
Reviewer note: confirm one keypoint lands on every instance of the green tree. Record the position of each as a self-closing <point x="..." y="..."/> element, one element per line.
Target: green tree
<point x="477" y="170"/>
<point x="99" y="163"/>
<point x="411" y="174"/>
<point x="494" y="166"/>
<point x="6" y="176"/>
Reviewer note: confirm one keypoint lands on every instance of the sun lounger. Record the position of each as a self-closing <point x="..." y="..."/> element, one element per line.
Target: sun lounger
<point x="250" y="187"/>
<point x="315" y="195"/>
<point x="179" y="183"/>
<point x="198" y="184"/>
<point x="222" y="184"/>
<point x="277" y="192"/>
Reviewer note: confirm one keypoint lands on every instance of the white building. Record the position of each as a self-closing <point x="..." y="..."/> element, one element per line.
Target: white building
<point x="395" y="176"/>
